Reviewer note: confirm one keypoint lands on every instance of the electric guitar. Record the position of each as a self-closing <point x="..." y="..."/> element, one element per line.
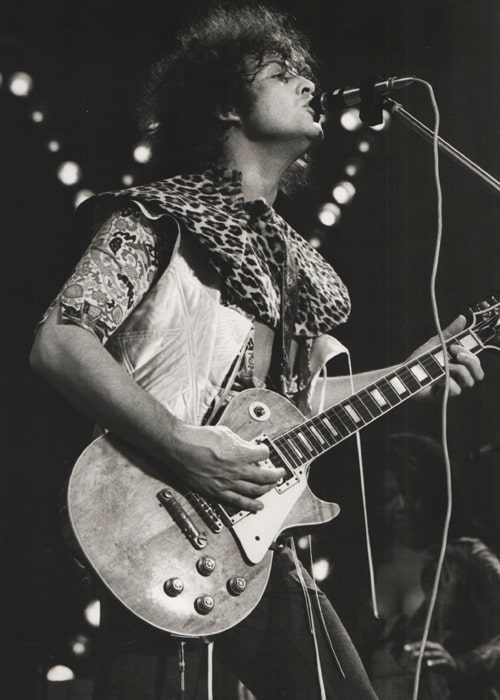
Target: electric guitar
<point x="193" y="567"/>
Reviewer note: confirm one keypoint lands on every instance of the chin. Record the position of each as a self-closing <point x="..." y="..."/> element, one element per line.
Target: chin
<point x="316" y="133"/>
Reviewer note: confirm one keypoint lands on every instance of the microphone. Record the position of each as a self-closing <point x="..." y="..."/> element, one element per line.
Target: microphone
<point x="349" y="96"/>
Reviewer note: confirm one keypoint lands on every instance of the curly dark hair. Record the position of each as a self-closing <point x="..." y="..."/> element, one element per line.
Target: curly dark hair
<point x="207" y="71"/>
<point x="417" y="460"/>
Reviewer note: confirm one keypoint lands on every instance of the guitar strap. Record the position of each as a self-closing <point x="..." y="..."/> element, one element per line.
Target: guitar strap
<point x="268" y="344"/>
<point x="289" y="288"/>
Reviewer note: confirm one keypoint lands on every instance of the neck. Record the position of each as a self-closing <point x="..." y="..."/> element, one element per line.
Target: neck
<point x="257" y="181"/>
<point x="261" y="166"/>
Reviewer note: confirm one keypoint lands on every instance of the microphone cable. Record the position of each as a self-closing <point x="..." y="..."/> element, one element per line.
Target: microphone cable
<point x="444" y="403"/>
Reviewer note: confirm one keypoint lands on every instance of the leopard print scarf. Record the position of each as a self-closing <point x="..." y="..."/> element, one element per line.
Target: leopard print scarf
<point x="246" y="244"/>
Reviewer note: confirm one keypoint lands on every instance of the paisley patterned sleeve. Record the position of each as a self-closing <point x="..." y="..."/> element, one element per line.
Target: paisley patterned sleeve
<point x="114" y="273"/>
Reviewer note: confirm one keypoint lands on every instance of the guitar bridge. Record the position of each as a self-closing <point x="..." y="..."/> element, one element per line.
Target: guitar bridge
<point x="181" y="518"/>
<point x="206" y="511"/>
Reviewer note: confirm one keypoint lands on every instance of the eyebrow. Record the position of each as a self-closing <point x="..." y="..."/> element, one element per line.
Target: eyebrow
<point x="287" y="66"/>
<point x="295" y="68"/>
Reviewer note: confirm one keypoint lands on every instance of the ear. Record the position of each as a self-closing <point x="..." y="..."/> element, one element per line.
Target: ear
<point x="228" y="115"/>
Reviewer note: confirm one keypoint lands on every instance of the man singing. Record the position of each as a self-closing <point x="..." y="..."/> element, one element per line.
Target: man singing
<point x="192" y="289"/>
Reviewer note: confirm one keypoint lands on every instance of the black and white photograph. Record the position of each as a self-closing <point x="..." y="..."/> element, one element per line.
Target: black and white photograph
<point x="251" y="413"/>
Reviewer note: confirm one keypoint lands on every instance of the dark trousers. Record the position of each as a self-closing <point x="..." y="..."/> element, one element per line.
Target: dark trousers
<point x="272" y="651"/>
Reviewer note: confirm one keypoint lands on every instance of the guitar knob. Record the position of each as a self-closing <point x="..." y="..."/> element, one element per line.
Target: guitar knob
<point x="204" y="604"/>
<point x="205" y="566"/>
<point x="236" y="585"/>
<point x="173" y="587"/>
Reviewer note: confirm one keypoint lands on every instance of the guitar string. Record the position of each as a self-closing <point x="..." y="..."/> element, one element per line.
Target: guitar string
<point x="431" y="367"/>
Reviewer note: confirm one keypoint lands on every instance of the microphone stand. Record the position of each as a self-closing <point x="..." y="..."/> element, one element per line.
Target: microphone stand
<point x="397" y="110"/>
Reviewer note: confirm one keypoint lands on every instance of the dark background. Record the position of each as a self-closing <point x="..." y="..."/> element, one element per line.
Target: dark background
<point x="87" y="59"/>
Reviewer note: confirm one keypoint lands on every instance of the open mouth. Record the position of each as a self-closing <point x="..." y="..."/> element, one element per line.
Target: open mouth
<point x="315" y="115"/>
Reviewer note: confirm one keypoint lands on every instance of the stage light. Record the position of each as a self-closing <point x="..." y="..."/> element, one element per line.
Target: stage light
<point x="21" y="84"/>
<point x="329" y="214"/>
<point x="92" y="613"/>
<point x="386" y="120"/>
<point x="315" y="240"/>
<point x="60" y="673"/>
<point x="127" y="179"/>
<point x="81" y="196"/>
<point x="352" y="168"/>
<point x="321" y="569"/>
<point x="53" y="145"/>
<point x="1" y="80"/>
<point x="38" y="116"/>
<point x="80" y="645"/>
<point x="69" y="172"/>
<point x="364" y="146"/>
<point x="142" y="153"/>
<point x="343" y="192"/>
<point x="303" y="542"/>
<point x="317" y="237"/>
<point x="350" y="119"/>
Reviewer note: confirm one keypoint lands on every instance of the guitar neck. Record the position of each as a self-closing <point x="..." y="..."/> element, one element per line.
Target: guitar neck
<point x="325" y="430"/>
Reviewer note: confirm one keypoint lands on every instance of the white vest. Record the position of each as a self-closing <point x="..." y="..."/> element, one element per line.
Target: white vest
<point x="180" y="343"/>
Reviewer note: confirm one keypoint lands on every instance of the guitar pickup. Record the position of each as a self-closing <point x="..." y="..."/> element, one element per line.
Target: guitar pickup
<point x="278" y="461"/>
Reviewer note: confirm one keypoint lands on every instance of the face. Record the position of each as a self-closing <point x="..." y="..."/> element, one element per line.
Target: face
<point x="404" y="512"/>
<point x="279" y="109"/>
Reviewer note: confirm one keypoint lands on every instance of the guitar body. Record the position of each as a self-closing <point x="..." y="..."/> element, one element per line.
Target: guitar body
<point x="194" y="568"/>
<point x="159" y="554"/>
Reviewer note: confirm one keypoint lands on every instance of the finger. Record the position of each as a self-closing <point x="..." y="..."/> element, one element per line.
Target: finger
<point x="241" y="502"/>
<point x="434" y="654"/>
<point x="260" y="475"/>
<point x="248" y="451"/>
<point x="430" y="647"/>
<point x="256" y="452"/>
<point x="455" y="326"/>
<point x="461" y="376"/>
<point x="434" y="646"/>
<point x="454" y="388"/>
<point x="247" y="488"/>
<point x="470" y="361"/>
<point x="437" y="662"/>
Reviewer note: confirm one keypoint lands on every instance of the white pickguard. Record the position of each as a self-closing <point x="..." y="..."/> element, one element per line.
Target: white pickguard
<point x="257" y="531"/>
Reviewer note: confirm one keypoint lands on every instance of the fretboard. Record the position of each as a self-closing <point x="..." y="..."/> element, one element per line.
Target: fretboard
<point x="325" y="430"/>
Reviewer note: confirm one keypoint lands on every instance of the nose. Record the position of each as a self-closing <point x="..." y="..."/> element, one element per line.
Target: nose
<point x="397" y="503"/>
<point x="305" y="86"/>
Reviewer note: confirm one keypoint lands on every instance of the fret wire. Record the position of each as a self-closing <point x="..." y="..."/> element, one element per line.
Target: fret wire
<point x="318" y="436"/>
<point x="297" y="450"/>
<point x="280" y="454"/>
<point x="300" y="431"/>
<point x="283" y="446"/>
<point x="423" y="381"/>
<point x="360" y="408"/>
<point x="331" y="435"/>
<point x="347" y="418"/>
<point x="368" y="400"/>
<point x="432" y="365"/>
<point x="390" y="395"/>
<point x="409" y="379"/>
<point x="469" y="341"/>
<point x="322" y="429"/>
<point x="297" y="459"/>
<point x="338" y="423"/>
<point x="315" y="442"/>
<point x="365" y="406"/>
